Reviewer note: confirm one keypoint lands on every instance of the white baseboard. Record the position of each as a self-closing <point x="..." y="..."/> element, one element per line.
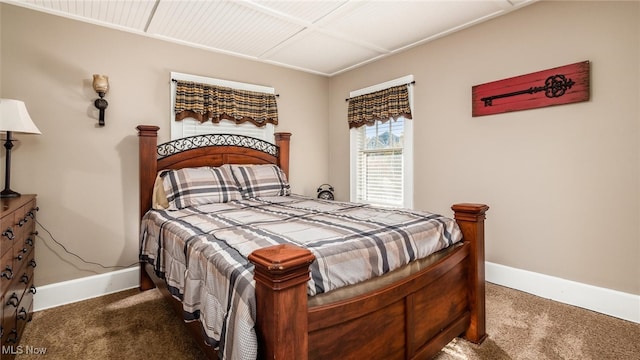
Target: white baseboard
<point x="606" y="301"/>
<point x="71" y="291"/>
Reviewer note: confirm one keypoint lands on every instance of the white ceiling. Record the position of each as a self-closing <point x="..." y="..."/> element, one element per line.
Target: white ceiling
<point x="323" y="37"/>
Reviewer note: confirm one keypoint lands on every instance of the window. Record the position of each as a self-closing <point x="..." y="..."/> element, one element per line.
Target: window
<point x="190" y="126"/>
<point x="382" y="157"/>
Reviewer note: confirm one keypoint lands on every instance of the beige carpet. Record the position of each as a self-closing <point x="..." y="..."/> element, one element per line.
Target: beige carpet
<point x="134" y="325"/>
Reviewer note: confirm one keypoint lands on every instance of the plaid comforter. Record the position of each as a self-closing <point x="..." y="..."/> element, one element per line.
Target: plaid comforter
<point x="202" y="253"/>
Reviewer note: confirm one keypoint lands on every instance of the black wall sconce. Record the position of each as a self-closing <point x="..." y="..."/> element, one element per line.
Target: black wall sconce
<point x="101" y="86"/>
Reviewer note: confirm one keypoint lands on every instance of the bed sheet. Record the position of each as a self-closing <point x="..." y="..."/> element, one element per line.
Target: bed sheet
<point x="202" y="253"/>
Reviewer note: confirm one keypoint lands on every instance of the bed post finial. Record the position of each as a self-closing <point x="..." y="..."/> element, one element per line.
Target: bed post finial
<point x="470" y="218"/>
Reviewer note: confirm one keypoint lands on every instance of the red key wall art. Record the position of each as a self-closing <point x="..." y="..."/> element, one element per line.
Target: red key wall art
<point x="561" y="85"/>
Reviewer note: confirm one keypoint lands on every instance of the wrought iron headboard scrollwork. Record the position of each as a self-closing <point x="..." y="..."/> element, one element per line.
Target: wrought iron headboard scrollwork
<point x="197" y="141"/>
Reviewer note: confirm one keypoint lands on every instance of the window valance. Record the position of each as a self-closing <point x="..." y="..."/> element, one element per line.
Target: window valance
<point x="380" y="105"/>
<point x="209" y="102"/>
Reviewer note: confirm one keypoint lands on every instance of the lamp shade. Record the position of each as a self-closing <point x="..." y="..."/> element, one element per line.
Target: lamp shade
<point x="100" y="83"/>
<point x="14" y="117"/>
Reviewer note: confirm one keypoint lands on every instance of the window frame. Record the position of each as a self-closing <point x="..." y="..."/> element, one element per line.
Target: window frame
<point x="407" y="149"/>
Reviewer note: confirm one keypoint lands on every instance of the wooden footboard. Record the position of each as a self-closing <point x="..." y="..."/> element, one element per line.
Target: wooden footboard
<point x="410" y="319"/>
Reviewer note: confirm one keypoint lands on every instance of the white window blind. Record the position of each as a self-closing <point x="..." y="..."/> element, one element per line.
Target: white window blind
<point x="382" y="158"/>
<point x="380" y="163"/>
<point x="190" y="126"/>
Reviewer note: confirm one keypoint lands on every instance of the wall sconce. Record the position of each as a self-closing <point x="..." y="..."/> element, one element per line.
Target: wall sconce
<point x="101" y="86"/>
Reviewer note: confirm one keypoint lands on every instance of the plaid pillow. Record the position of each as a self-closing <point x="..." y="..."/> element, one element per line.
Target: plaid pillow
<point x="261" y="180"/>
<point x="199" y="186"/>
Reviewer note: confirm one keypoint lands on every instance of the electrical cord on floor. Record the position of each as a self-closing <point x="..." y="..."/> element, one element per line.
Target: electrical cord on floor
<point x="78" y="256"/>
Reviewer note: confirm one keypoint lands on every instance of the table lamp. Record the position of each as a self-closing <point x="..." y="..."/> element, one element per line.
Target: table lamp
<point x="13" y="118"/>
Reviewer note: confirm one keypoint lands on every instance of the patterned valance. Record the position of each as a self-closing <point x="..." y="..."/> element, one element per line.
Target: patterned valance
<point x="382" y="105"/>
<point x="209" y="102"/>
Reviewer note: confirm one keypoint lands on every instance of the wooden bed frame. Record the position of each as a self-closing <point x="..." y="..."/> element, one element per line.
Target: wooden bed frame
<point x="413" y="318"/>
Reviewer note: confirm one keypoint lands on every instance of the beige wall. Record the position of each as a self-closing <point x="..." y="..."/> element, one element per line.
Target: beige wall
<point x="562" y="182"/>
<point x="1" y="53"/>
<point x="86" y="176"/>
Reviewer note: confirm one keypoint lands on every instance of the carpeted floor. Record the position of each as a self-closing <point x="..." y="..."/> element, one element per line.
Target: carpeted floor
<point x="135" y="325"/>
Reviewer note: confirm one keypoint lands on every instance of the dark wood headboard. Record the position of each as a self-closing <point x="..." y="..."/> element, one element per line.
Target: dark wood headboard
<point x="203" y="150"/>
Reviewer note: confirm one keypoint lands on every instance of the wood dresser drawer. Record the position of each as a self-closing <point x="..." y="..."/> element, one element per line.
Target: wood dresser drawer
<point x="7" y="235"/>
<point x="17" y="263"/>
<point x="7" y="271"/>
